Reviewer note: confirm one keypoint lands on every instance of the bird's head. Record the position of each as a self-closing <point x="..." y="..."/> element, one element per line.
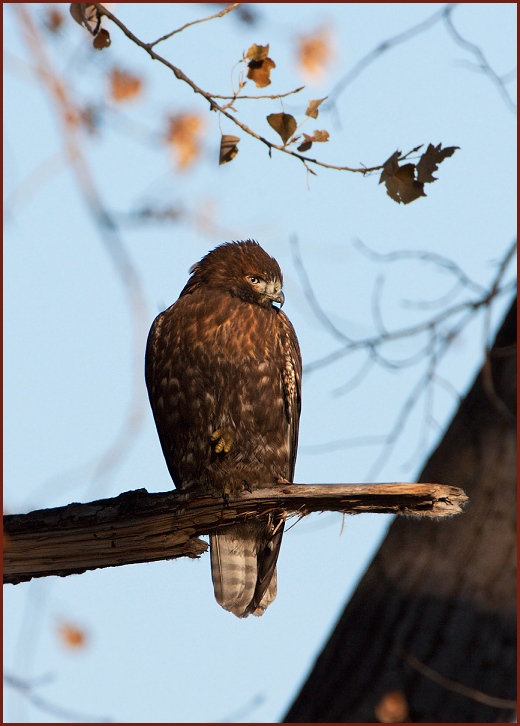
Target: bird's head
<point x="241" y="269"/>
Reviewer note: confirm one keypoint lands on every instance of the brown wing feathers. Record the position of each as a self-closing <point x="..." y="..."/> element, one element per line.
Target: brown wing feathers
<point x="224" y="358"/>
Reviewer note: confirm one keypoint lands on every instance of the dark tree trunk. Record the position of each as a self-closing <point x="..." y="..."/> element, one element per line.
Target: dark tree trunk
<point x="438" y="594"/>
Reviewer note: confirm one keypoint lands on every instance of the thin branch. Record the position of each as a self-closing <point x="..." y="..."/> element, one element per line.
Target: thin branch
<point x="214" y="106"/>
<point x="26" y="688"/>
<point x="377" y="315"/>
<point x="310" y="296"/>
<point x="441" y="261"/>
<point x="33" y="182"/>
<point x="381" y="48"/>
<point x="456" y="687"/>
<point x="68" y="113"/>
<point x="220" y="14"/>
<point x="356" y="378"/>
<point x="140" y="527"/>
<point x="412" y="399"/>
<point x="274" y="97"/>
<point x="443" y="15"/>
<point x="482" y="62"/>
<point x="373" y="342"/>
<point x="243" y="713"/>
<point x="487" y="375"/>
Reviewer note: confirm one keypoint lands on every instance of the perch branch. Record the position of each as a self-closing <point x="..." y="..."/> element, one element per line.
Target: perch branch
<point x="140" y="527"/>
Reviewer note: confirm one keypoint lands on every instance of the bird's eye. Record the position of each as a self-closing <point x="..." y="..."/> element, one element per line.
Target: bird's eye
<point x="253" y="279"/>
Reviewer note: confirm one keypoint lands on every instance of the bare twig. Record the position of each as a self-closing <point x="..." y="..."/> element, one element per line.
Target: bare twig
<point x="384" y="46"/>
<point x="482" y="62"/>
<point x="373" y="342"/>
<point x="274" y="97"/>
<point x="487" y="375"/>
<point x="440" y="260"/>
<point x="456" y="687"/>
<point x="33" y="182"/>
<point x="243" y="713"/>
<point x="443" y="15"/>
<point x="439" y="342"/>
<point x="26" y="688"/>
<point x="68" y="114"/>
<point x="220" y="14"/>
<point x="141" y="527"/>
<point x="214" y="106"/>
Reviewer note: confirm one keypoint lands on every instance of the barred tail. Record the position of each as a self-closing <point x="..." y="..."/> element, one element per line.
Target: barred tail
<point x="243" y="565"/>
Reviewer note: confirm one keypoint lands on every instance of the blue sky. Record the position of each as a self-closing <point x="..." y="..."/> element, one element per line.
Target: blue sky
<point x="159" y="648"/>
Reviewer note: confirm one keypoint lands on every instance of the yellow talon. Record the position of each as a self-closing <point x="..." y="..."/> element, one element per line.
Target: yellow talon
<point x="224" y="439"/>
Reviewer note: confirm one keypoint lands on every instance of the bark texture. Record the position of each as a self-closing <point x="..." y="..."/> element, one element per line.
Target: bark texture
<point x="442" y="595"/>
<point x="141" y="527"/>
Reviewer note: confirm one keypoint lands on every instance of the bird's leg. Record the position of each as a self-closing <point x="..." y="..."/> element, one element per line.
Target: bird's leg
<point x="224" y="438"/>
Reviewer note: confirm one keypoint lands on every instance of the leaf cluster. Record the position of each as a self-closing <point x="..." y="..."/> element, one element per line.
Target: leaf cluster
<point x="405" y="183"/>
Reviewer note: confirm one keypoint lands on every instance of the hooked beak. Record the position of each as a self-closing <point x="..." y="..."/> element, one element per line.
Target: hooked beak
<point x="273" y="294"/>
<point x="278" y="297"/>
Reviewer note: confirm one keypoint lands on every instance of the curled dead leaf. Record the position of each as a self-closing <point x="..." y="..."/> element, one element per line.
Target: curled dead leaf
<point x="102" y="39"/>
<point x="53" y="20"/>
<point x="312" y="108"/>
<point x="228" y="148"/>
<point x="259" y="71"/>
<point x="123" y="85"/>
<point x="315" y="53"/>
<point x="402" y="186"/>
<point x="320" y="135"/>
<point x="309" y="140"/>
<point x="257" y="52"/>
<point x="406" y="183"/>
<point x="86" y="15"/>
<point x="184" y="135"/>
<point x="428" y="163"/>
<point x="305" y="145"/>
<point x="72" y="636"/>
<point x="284" y="124"/>
<point x="392" y="708"/>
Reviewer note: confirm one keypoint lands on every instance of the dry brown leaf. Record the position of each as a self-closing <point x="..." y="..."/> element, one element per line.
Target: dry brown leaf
<point x="102" y="40"/>
<point x="400" y="181"/>
<point x="124" y="85"/>
<point x="260" y="71"/>
<point x="86" y="15"/>
<point x="315" y="53"/>
<point x="392" y="708"/>
<point x="257" y="52"/>
<point x="316" y="136"/>
<point x="320" y="135"/>
<point x="284" y="124"/>
<point x="228" y="148"/>
<point x="312" y="108"/>
<point x="406" y="183"/>
<point x="53" y="20"/>
<point x="404" y="186"/>
<point x="72" y="636"/>
<point x="183" y="135"/>
<point x="305" y="145"/>
<point x="428" y="163"/>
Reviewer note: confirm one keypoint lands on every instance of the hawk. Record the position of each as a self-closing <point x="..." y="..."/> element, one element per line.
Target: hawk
<point x="223" y="372"/>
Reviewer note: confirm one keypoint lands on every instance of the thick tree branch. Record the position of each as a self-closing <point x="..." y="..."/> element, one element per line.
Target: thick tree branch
<point x="140" y="527"/>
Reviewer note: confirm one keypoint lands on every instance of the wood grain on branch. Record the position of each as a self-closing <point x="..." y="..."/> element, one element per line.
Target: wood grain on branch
<point x="140" y="527"/>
